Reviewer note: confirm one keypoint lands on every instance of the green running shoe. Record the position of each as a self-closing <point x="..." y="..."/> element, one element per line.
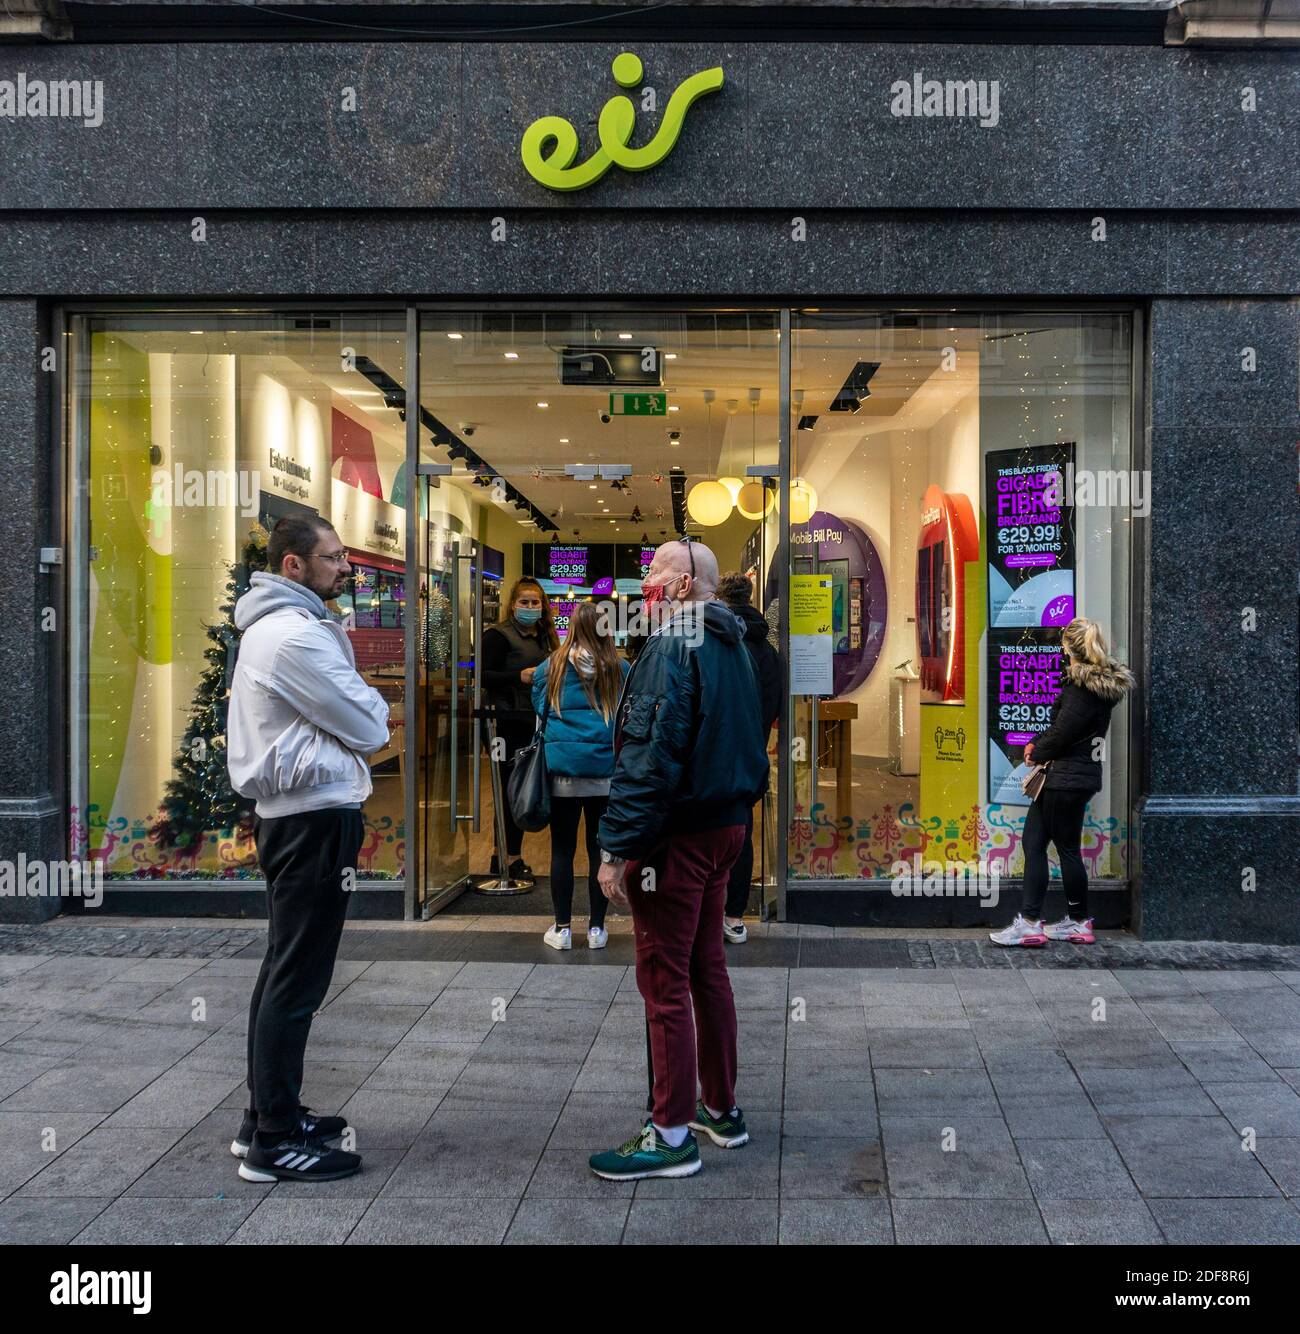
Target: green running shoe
<point x="726" y="1131"/>
<point x="647" y="1155"/>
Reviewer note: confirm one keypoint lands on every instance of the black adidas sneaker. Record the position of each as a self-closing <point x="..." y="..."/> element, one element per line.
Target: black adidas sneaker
<point x="298" y="1157"/>
<point x="318" y="1127"/>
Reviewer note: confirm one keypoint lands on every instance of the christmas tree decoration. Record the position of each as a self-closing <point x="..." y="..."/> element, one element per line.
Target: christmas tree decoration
<point x="198" y="799"/>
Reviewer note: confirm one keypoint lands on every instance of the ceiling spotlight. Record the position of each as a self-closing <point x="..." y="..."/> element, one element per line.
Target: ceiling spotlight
<point x="511" y="356"/>
<point x="807" y="423"/>
<point x="543" y="405"/>
<point x="625" y="337"/>
<point x="457" y="450"/>
<point x="456" y="336"/>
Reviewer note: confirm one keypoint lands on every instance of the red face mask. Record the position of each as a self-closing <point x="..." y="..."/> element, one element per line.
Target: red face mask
<point x="652" y="594"/>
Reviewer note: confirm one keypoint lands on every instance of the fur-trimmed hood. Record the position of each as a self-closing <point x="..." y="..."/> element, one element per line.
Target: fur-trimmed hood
<point x="1109" y="680"/>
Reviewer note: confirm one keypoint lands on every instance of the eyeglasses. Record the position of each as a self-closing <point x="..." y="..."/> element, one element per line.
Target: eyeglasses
<point x="334" y="557"/>
<point x="689" y="551"/>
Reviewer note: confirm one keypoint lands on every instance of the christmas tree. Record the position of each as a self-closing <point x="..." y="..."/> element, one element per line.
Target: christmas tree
<point x="198" y="797"/>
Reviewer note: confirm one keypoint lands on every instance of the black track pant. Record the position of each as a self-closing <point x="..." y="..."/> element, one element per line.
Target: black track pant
<point x="304" y="858"/>
<point x="742" y="872"/>
<point x="565" y="813"/>
<point x="1056" y="817"/>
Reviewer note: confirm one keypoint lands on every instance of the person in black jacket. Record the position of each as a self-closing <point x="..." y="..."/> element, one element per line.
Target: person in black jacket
<point x="690" y="763"/>
<point x="512" y="651"/>
<point x="1072" y="749"/>
<point x="737" y="592"/>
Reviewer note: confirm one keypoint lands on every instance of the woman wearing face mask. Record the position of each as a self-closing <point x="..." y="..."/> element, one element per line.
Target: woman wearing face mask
<point x="576" y="689"/>
<point x="512" y="651"/>
<point x="1094" y="683"/>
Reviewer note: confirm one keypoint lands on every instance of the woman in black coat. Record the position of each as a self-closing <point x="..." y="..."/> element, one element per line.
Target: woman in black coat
<point x="1071" y="748"/>
<point x="512" y="650"/>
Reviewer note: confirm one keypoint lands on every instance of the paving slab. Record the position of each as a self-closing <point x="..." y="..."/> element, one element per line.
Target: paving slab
<point x="1228" y="1222"/>
<point x="135" y="1222"/>
<point x="970" y="1157"/>
<point x="836" y="1223"/>
<point x="568" y="1222"/>
<point x="968" y="1223"/>
<point x="1187" y="1157"/>
<point x="283" y="1221"/>
<point x="1075" y="1169"/>
<point x="1100" y="1223"/>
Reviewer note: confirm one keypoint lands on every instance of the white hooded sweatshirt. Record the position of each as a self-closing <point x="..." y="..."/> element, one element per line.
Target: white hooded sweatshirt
<point x="301" y="720"/>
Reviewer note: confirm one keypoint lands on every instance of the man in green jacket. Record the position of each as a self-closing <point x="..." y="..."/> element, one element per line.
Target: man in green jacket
<point x="691" y="763"/>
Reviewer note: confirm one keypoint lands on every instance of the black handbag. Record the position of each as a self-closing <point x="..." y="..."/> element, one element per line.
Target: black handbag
<point x="529" y="789"/>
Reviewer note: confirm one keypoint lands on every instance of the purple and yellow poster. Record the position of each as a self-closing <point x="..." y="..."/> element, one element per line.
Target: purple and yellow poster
<point x="1023" y="681"/>
<point x="1030" y="551"/>
<point x="1030" y="536"/>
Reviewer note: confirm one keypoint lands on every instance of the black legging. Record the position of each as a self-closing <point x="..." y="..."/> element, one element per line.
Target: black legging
<point x="742" y="872"/>
<point x="565" y="813"/>
<point x="1056" y="817"/>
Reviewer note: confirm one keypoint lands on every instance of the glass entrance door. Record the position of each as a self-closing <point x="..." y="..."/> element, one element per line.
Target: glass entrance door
<point x="574" y="443"/>
<point x="449" y="610"/>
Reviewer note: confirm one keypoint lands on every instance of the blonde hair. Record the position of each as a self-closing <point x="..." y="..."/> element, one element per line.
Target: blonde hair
<point x="1083" y="641"/>
<point x="588" y="629"/>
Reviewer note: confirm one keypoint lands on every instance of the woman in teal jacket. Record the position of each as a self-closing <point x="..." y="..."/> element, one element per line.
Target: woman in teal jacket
<point x="577" y="690"/>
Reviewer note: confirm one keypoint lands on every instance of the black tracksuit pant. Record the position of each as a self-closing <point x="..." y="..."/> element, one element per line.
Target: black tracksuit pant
<point x="304" y="858"/>
<point x="742" y="872"/>
<point x="1057" y="818"/>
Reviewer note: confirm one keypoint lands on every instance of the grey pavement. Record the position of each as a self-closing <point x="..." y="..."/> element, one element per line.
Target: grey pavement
<point x="993" y="1103"/>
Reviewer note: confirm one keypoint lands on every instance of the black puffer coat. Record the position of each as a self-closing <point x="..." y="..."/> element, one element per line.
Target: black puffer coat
<point x="1081" y="715"/>
<point x="691" y="750"/>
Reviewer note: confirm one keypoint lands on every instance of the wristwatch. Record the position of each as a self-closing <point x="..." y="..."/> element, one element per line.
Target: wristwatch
<point x="610" y="860"/>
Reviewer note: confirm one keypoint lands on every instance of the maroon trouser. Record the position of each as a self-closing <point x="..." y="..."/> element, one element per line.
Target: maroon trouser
<point x="681" y="967"/>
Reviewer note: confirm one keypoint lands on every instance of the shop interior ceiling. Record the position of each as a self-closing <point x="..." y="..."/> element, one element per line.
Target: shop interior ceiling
<point x="721" y="385"/>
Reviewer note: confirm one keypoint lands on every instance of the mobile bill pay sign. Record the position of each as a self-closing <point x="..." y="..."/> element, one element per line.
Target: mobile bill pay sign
<point x="811" y="640"/>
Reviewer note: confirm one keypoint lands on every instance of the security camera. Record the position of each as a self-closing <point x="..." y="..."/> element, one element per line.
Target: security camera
<point x="468" y="428"/>
<point x="674" y="436"/>
<point x="604" y="416"/>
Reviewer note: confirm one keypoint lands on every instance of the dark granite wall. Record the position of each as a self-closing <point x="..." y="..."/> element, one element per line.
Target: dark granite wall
<point x="31" y="814"/>
<point x="1202" y="208"/>
<point x="1220" y="698"/>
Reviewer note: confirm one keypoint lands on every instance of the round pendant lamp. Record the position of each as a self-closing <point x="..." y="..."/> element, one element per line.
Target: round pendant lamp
<point x="754" y="500"/>
<point x="708" y="503"/>
<point x="733" y="485"/>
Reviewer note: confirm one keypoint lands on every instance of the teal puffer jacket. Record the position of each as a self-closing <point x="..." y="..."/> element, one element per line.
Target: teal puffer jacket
<point x="579" y="742"/>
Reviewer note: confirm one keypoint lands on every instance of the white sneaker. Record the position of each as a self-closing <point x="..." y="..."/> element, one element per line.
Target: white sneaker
<point x="559" y="938"/>
<point x="1077" y="933"/>
<point x="1020" y="932"/>
<point x="734" y="935"/>
<point x="597" y="937"/>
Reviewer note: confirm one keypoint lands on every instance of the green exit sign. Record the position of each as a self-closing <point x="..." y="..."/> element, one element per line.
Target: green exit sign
<point x="638" y="405"/>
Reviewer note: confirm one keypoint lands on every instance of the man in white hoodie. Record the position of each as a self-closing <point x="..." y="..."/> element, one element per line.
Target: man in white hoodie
<point x="301" y="724"/>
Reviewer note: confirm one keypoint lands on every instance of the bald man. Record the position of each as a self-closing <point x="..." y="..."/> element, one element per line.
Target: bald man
<point x="691" y="762"/>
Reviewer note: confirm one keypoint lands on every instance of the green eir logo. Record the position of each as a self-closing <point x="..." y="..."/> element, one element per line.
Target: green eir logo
<point x="550" y="144"/>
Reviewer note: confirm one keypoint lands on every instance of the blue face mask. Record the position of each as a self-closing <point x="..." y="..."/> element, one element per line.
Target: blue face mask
<point x="528" y="615"/>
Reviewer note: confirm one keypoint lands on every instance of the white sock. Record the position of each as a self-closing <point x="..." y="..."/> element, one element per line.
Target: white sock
<point x="673" y="1136"/>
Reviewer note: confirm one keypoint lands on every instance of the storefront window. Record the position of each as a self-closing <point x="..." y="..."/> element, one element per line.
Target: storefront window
<point x="194" y="434"/>
<point x="930" y="579"/>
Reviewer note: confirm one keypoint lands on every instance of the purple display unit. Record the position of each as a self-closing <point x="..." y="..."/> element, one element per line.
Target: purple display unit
<point x="831" y="538"/>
